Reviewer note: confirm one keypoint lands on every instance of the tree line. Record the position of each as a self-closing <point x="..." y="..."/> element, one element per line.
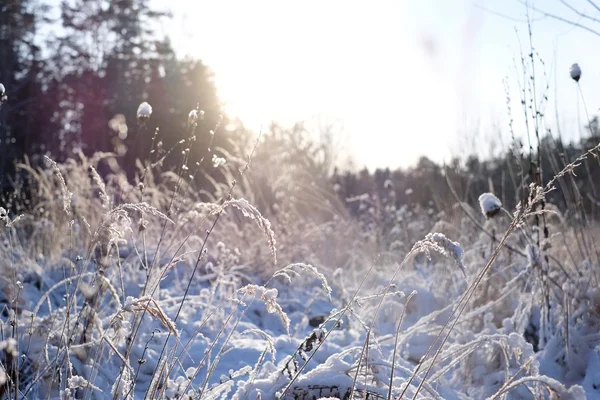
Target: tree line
<point x="74" y="75"/>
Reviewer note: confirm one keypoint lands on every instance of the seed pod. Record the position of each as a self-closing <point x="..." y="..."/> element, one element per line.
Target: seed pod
<point x="144" y="111"/>
<point x="490" y="205"/>
<point x="575" y="72"/>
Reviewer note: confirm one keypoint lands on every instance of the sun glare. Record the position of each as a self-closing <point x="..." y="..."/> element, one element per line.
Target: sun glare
<point x="390" y="71"/>
<point x="364" y="66"/>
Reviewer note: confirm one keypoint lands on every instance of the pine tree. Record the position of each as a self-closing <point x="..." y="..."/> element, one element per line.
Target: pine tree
<point x="21" y="69"/>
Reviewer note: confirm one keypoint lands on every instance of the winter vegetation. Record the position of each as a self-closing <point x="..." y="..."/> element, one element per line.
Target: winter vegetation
<point x="152" y="248"/>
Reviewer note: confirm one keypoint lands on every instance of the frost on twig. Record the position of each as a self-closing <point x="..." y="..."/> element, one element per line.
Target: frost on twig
<point x="249" y="211"/>
<point x="289" y="270"/>
<point x="63" y="185"/>
<point x="440" y="243"/>
<point x="269" y="298"/>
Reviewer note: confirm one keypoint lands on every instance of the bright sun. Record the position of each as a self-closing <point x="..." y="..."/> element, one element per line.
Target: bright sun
<point x="342" y="61"/>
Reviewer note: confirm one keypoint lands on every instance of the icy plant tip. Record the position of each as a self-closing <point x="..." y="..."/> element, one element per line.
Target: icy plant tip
<point x="144" y="111"/>
<point x="192" y="117"/>
<point x="3" y="96"/>
<point x="490" y="204"/>
<point x="218" y="161"/>
<point x="448" y="248"/>
<point x="575" y="72"/>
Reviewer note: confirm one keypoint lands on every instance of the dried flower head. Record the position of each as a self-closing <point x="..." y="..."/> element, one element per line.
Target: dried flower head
<point x="9" y="346"/>
<point x="144" y="111"/>
<point x="3" y="96"/>
<point x="192" y="117"/>
<point x="575" y="72"/>
<point x="218" y="161"/>
<point x="67" y="195"/>
<point x="490" y="205"/>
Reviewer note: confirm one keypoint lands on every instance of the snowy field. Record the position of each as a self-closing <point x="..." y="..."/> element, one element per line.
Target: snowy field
<point x="117" y="289"/>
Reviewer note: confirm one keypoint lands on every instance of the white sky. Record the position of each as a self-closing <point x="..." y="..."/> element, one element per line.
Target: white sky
<point x="403" y="77"/>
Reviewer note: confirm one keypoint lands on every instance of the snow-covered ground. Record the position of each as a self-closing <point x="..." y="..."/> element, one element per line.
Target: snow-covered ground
<point x="121" y="300"/>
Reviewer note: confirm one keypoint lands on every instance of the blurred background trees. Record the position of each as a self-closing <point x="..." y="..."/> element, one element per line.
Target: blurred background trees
<point x="69" y="74"/>
<point x="22" y="69"/>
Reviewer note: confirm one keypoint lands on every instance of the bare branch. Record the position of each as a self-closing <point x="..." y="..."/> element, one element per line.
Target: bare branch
<point x="508" y="17"/>
<point x="594" y="5"/>
<point x="576" y="11"/>
<point x="558" y="18"/>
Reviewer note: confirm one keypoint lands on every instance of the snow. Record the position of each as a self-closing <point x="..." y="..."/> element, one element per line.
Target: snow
<point x="144" y="110"/>
<point x="490" y="204"/>
<point x="295" y="326"/>
<point x="192" y="117"/>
